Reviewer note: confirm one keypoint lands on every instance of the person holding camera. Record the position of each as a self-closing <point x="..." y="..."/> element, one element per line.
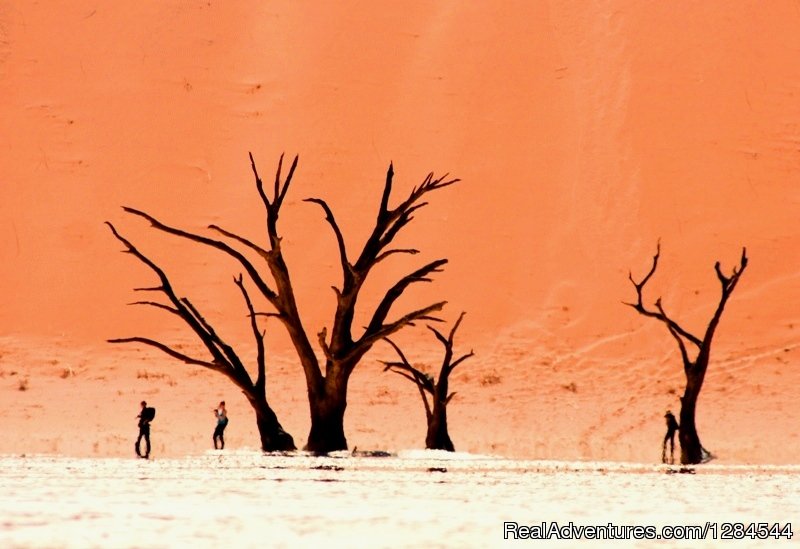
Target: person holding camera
<point x="222" y="421"/>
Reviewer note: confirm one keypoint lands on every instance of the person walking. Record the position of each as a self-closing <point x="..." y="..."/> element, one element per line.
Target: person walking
<point x="145" y="417"/>
<point x="222" y="421"/>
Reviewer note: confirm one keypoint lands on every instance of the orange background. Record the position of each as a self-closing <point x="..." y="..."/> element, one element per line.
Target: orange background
<point x="582" y="131"/>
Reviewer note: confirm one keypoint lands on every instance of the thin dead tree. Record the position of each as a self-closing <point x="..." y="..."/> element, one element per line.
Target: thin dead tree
<point x="343" y="349"/>
<point x="694" y="368"/>
<point x="224" y="359"/>
<point x="437" y="437"/>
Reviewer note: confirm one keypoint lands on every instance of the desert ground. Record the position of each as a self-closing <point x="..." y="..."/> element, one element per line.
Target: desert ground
<point x="582" y="132"/>
<point x="420" y="498"/>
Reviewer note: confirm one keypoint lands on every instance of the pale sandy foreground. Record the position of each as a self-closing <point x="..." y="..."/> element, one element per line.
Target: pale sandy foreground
<point x="416" y="499"/>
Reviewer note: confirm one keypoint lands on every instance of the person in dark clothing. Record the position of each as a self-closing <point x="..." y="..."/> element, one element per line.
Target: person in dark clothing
<point x="145" y="417"/>
<point x="672" y="426"/>
<point x="222" y="422"/>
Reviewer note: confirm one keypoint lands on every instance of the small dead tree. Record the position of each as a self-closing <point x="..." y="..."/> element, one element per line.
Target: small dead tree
<point x="694" y="368"/>
<point x="224" y="359"/>
<point x="343" y="350"/>
<point x="438" y="437"/>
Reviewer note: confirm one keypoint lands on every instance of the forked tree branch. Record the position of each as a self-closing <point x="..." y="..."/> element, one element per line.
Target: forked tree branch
<point x="448" y="364"/>
<point x="248" y="266"/>
<point x="728" y="284"/>
<point x="273" y="206"/>
<point x="383" y="308"/>
<point x="225" y="359"/>
<point x="232" y="359"/>
<point x="166" y="288"/>
<point x="422" y="380"/>
<point x="390" y="221"/>
<point x="384" y="330"/>
<point x="659" y="314"/>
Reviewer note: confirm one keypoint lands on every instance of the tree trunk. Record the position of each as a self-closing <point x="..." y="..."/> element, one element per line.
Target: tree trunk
<point x="691" y="449"/>
<point x="327" y="421"/>
<point x="273" y="437"/>
<point x="438" y="437"/>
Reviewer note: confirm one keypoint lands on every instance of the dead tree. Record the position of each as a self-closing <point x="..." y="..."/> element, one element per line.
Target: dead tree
<point x="438" y="437"/>
<point x="224" y="359"/>
<point x="342" y="349"/>
<point x="694" y="368"/>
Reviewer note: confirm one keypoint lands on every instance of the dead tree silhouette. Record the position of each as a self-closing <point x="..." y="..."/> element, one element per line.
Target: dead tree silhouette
<point x="224" y="359"/>
<point x="438" y="437"/>
<point x="694" y="369"/>
<point x="327" y="384"/>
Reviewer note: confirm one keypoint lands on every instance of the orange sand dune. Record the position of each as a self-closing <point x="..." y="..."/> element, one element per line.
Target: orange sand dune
<point x="582" y="132"/>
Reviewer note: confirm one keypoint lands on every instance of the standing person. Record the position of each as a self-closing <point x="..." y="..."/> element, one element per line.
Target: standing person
<point x="672" y="426"/>
<point x="145" y="417"/>
<point x="222" y="421"/>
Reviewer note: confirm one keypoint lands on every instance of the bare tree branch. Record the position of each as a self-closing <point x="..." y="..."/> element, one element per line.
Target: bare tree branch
<point x="279" y="196"/>
<point x="260" y="183"/>
<point x="157" y="305"/>
<point x="387" y="191"/>
<point x="258" y="249"/>
<point x="261" y="378"/>
<point x="460" y="360"/>
<point x="347" y="269"/>
<point x="170" y="351"/>
<point x="728" y="284"/>
<point x="390" y="221"/>
<point x="384" y="330"/>
<point x="326" y="350"/>
<point x="397" y="368"/>
<point x="274" y="315"/>
<point x="423" y="381"/>
<point x="383" y="308"/>
<point x="675" y="334"/>
<point x="673" y="326"/>
<point x="184" y="308"/>
<point x="384" y="255"/>
<point x="439" y="336"/>
<point x="251" y="270"/>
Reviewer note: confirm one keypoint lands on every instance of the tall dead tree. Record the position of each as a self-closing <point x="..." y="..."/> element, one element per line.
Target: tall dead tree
<point x="224" y="359"/>
<point x="437" y="437"/>
<point x="694" y="368"/>
<point x="342" y="349"/>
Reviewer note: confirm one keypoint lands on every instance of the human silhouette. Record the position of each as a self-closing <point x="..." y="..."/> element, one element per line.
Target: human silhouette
<point x="672" y="426"/>
<point x="222" y="421"/>
<point x="145" y="417"/>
